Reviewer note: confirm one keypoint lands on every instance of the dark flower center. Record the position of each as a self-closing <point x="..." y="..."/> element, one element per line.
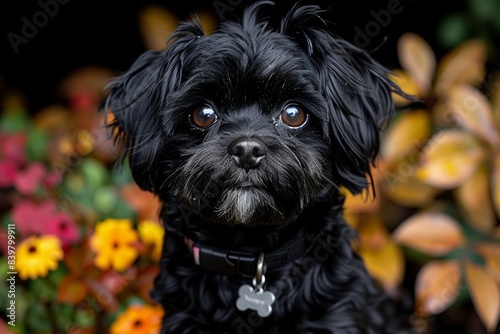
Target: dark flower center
<point x="115" y="246"/>
<point x="32" y="249"/>
<point x="137" y="323"/>
<point x="63" y="226"/>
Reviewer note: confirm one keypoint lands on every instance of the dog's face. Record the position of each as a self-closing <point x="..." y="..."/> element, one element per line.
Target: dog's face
<point x="250" y="124"/>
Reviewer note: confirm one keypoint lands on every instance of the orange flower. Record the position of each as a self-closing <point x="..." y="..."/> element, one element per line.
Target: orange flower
<point x="138" y="319"/>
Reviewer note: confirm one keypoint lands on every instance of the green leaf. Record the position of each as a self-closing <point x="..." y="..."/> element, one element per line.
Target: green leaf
<point x="37" y="319"/>
<point x="452" y="30"/>
<point x="122" y="176"/>
<point x="64" y="315"/>
<point x="105" y="199"/>
<point x="37" y="143"/>
<point x="482" y="9"/>
<point x="14" y="121"/>
<point x="122" y="211"/>
<point x="94" y="172"/>
<point x="43" y="290"/>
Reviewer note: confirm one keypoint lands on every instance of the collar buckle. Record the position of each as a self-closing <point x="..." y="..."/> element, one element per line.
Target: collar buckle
<point x="226" y="262"/>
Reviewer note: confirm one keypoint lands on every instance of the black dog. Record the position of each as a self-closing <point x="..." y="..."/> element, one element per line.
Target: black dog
<point x="246" y="135"/>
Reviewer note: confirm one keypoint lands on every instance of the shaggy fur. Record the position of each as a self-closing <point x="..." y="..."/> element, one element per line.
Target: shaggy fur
<point x="250" y="182"/>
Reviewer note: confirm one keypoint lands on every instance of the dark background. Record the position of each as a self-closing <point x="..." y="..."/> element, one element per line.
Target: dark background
<point x="105" y="33"/>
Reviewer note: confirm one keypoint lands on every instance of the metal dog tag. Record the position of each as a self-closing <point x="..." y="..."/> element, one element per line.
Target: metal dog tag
<point x="255" y="299"/>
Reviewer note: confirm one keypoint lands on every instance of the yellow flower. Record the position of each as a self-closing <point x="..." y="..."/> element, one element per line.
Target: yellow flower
<point x="113" y="241"/>
<point x="152" y="235"/>
<point x="138" y="319"/>
<point x="37" y="255"/>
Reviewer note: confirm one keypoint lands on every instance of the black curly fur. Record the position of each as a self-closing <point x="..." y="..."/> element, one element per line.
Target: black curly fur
<point x="248" y="71"/>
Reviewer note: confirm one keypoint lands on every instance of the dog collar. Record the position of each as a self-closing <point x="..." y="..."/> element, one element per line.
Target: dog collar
<point x="244" y="263"/>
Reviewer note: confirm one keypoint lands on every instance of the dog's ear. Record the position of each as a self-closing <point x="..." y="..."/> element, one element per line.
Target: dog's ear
<point x="136" y="100"/>
<point x="357" y="91"/>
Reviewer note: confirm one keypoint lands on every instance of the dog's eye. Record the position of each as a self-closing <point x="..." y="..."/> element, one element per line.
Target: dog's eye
<point x="293" y="116"/>
<point x="204" y="116"/>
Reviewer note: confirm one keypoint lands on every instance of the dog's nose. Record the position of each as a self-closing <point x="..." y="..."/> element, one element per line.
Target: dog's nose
<point x="247" y="152"/>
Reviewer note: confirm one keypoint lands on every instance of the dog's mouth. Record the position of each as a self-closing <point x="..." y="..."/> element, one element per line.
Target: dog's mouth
<point x="246" y="184"/>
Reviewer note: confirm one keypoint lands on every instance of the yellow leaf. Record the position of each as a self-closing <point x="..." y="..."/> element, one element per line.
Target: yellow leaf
<point x="485" y="295"/>
<point x="417" y="59"/>
<point x="474" y="198"/>
<point x="362" y="202"/>
<point x="385" y="264"/>
<point x="496" y="106"/>
<point x="406" y="190"/>
<point x="495" y="184"/>
<point x="491" y="255"/>
<point x="408" y="132"/>
<point x="449" y="159"/>
<point x="208" y="21"/>
<point x="156" y="24"/>
<point x="407" y="85"/>
<point x="465" y="64"/>
<point x="437" y="286"/>
<point x="431" y="233"/>
<point x="472" y="111"/>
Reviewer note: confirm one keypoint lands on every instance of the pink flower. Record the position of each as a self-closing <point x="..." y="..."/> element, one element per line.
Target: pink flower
<point x="63" y="227"/>
<point x="8" y="173"/>
<point x="12" y="148"/>
<point x="30" y="179"/>
<point x="31" y="217"/>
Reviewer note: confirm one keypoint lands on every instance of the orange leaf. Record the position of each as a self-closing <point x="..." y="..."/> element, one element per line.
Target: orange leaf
<point x="408" y="132"/>
<point x="491" y="254"/>
<point x="143" y="202"/>
<point x="449" y="159"/>
<point x="156" y="23"/>
<point x="495" y="184"/>
<point x="417" y="59"/>
<point x="385" y="264"/>
<point x="473" y="112"/>
<point x="485" y="295"/>
<point x="407" y="85"/>
<point x="407" y="190"/>
<point x="474" y="198"/>
<point x="437" y="286"/>
<point x="102" y="294"/>
<point x="71" y="290"/>
<point x="372" y="232"/>
<point x="430" y="233"/>
<point x="465" y="64"/>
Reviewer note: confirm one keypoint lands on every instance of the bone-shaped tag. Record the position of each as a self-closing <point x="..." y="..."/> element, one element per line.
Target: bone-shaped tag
<point x="259" y="300"/>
